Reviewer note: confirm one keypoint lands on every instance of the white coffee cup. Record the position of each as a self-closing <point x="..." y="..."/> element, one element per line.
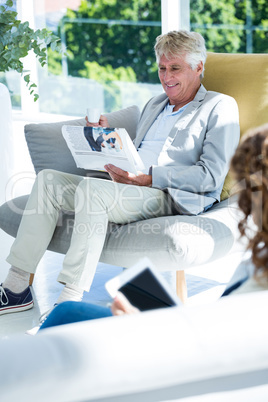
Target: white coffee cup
<point x="93" y="114"/>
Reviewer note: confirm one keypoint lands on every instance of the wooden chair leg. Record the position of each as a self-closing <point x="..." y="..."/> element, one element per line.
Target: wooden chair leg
<point x="181" y="286"/>
<point x="31" y="279"/>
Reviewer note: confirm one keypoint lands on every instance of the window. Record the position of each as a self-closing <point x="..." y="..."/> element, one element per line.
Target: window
<point x="234" y="26"/>
<point x="109" y="59"/>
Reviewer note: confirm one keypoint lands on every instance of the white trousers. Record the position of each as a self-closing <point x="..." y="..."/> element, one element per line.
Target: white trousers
<point x="95" y="203"/>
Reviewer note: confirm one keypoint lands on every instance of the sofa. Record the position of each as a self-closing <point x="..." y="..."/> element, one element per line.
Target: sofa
<point x="172" y="243"/>
<point x="211" y="353"/>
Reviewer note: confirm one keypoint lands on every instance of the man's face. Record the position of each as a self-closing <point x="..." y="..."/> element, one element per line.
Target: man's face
<point x="179" y="81"/>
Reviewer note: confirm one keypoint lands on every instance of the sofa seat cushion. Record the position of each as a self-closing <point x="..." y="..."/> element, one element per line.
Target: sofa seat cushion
<point x="172" y="243"/>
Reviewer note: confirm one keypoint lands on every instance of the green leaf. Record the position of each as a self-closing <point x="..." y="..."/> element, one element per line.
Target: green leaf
<point x="17" y="39"/>
<point x="27" y="78"/>
<point x="53" y="46"/>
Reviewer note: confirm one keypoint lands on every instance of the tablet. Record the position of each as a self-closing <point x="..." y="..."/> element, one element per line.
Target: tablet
<point x="143" y="287"/>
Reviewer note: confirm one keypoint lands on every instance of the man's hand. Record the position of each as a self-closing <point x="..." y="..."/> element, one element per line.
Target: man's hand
<point x="122" y="306"/>
<point x="103" y="122"/>
<point x="121" y="176"/>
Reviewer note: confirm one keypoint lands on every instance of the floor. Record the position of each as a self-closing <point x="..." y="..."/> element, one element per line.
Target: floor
<point x="204" y="283"/>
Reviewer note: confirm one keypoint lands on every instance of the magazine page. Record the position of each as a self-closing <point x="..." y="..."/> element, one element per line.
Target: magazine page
<point x="94" y="147"/>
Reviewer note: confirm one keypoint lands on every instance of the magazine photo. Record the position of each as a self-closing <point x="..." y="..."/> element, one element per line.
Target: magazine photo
<point x="95" y="147"/>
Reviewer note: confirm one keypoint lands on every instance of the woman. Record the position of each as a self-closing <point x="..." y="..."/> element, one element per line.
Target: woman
<point x="250" y="169"/>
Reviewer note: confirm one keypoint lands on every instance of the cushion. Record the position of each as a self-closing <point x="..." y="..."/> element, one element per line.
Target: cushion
<point x="164" y="240"/>
<point x="245" y="78"/>
<point x="55" y="152"/>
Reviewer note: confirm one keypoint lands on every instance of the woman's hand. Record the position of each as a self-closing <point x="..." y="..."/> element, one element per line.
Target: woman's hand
<point x="122" y="306"/>
<point x="103" y="122"/>
<point x="121" y="176"/>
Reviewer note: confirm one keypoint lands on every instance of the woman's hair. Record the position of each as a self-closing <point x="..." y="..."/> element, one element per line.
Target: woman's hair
<point x="182" y="43"/>
<point x="249" y="166"/>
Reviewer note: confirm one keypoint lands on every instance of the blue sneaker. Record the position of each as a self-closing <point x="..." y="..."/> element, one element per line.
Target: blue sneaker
<point x="13" y="302"/>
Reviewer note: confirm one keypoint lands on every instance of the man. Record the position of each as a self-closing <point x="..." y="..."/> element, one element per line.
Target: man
<point x="185" y="137"/>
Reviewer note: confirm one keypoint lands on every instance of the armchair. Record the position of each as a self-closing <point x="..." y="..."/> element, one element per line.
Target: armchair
<point x="172" y="243"/>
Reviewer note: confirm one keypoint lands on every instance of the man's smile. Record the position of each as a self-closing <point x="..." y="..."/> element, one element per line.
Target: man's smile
<point x="170" y="85"/>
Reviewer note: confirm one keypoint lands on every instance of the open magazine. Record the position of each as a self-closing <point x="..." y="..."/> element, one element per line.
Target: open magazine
<point x="94" y="147"/>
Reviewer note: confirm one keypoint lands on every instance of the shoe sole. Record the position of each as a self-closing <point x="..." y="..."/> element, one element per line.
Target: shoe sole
<point x="16" y="309"/>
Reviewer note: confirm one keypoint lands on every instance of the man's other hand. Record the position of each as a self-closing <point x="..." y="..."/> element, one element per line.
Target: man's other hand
<point x="121" y="176"/>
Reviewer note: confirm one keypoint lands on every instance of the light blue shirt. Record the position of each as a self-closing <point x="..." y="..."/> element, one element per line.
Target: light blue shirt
<point x="157" y="134"/>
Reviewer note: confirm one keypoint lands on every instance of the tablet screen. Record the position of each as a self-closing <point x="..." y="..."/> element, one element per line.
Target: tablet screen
<point x="145" y="292"/>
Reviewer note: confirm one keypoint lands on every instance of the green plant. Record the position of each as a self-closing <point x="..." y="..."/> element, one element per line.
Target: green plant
<point x="17" y="39"/>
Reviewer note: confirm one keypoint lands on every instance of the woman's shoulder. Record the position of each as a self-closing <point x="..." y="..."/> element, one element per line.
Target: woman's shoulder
<point x="252" y="285"/>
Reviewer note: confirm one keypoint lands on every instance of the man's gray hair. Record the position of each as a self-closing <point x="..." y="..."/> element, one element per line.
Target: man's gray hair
<point x="182" y="43"/>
